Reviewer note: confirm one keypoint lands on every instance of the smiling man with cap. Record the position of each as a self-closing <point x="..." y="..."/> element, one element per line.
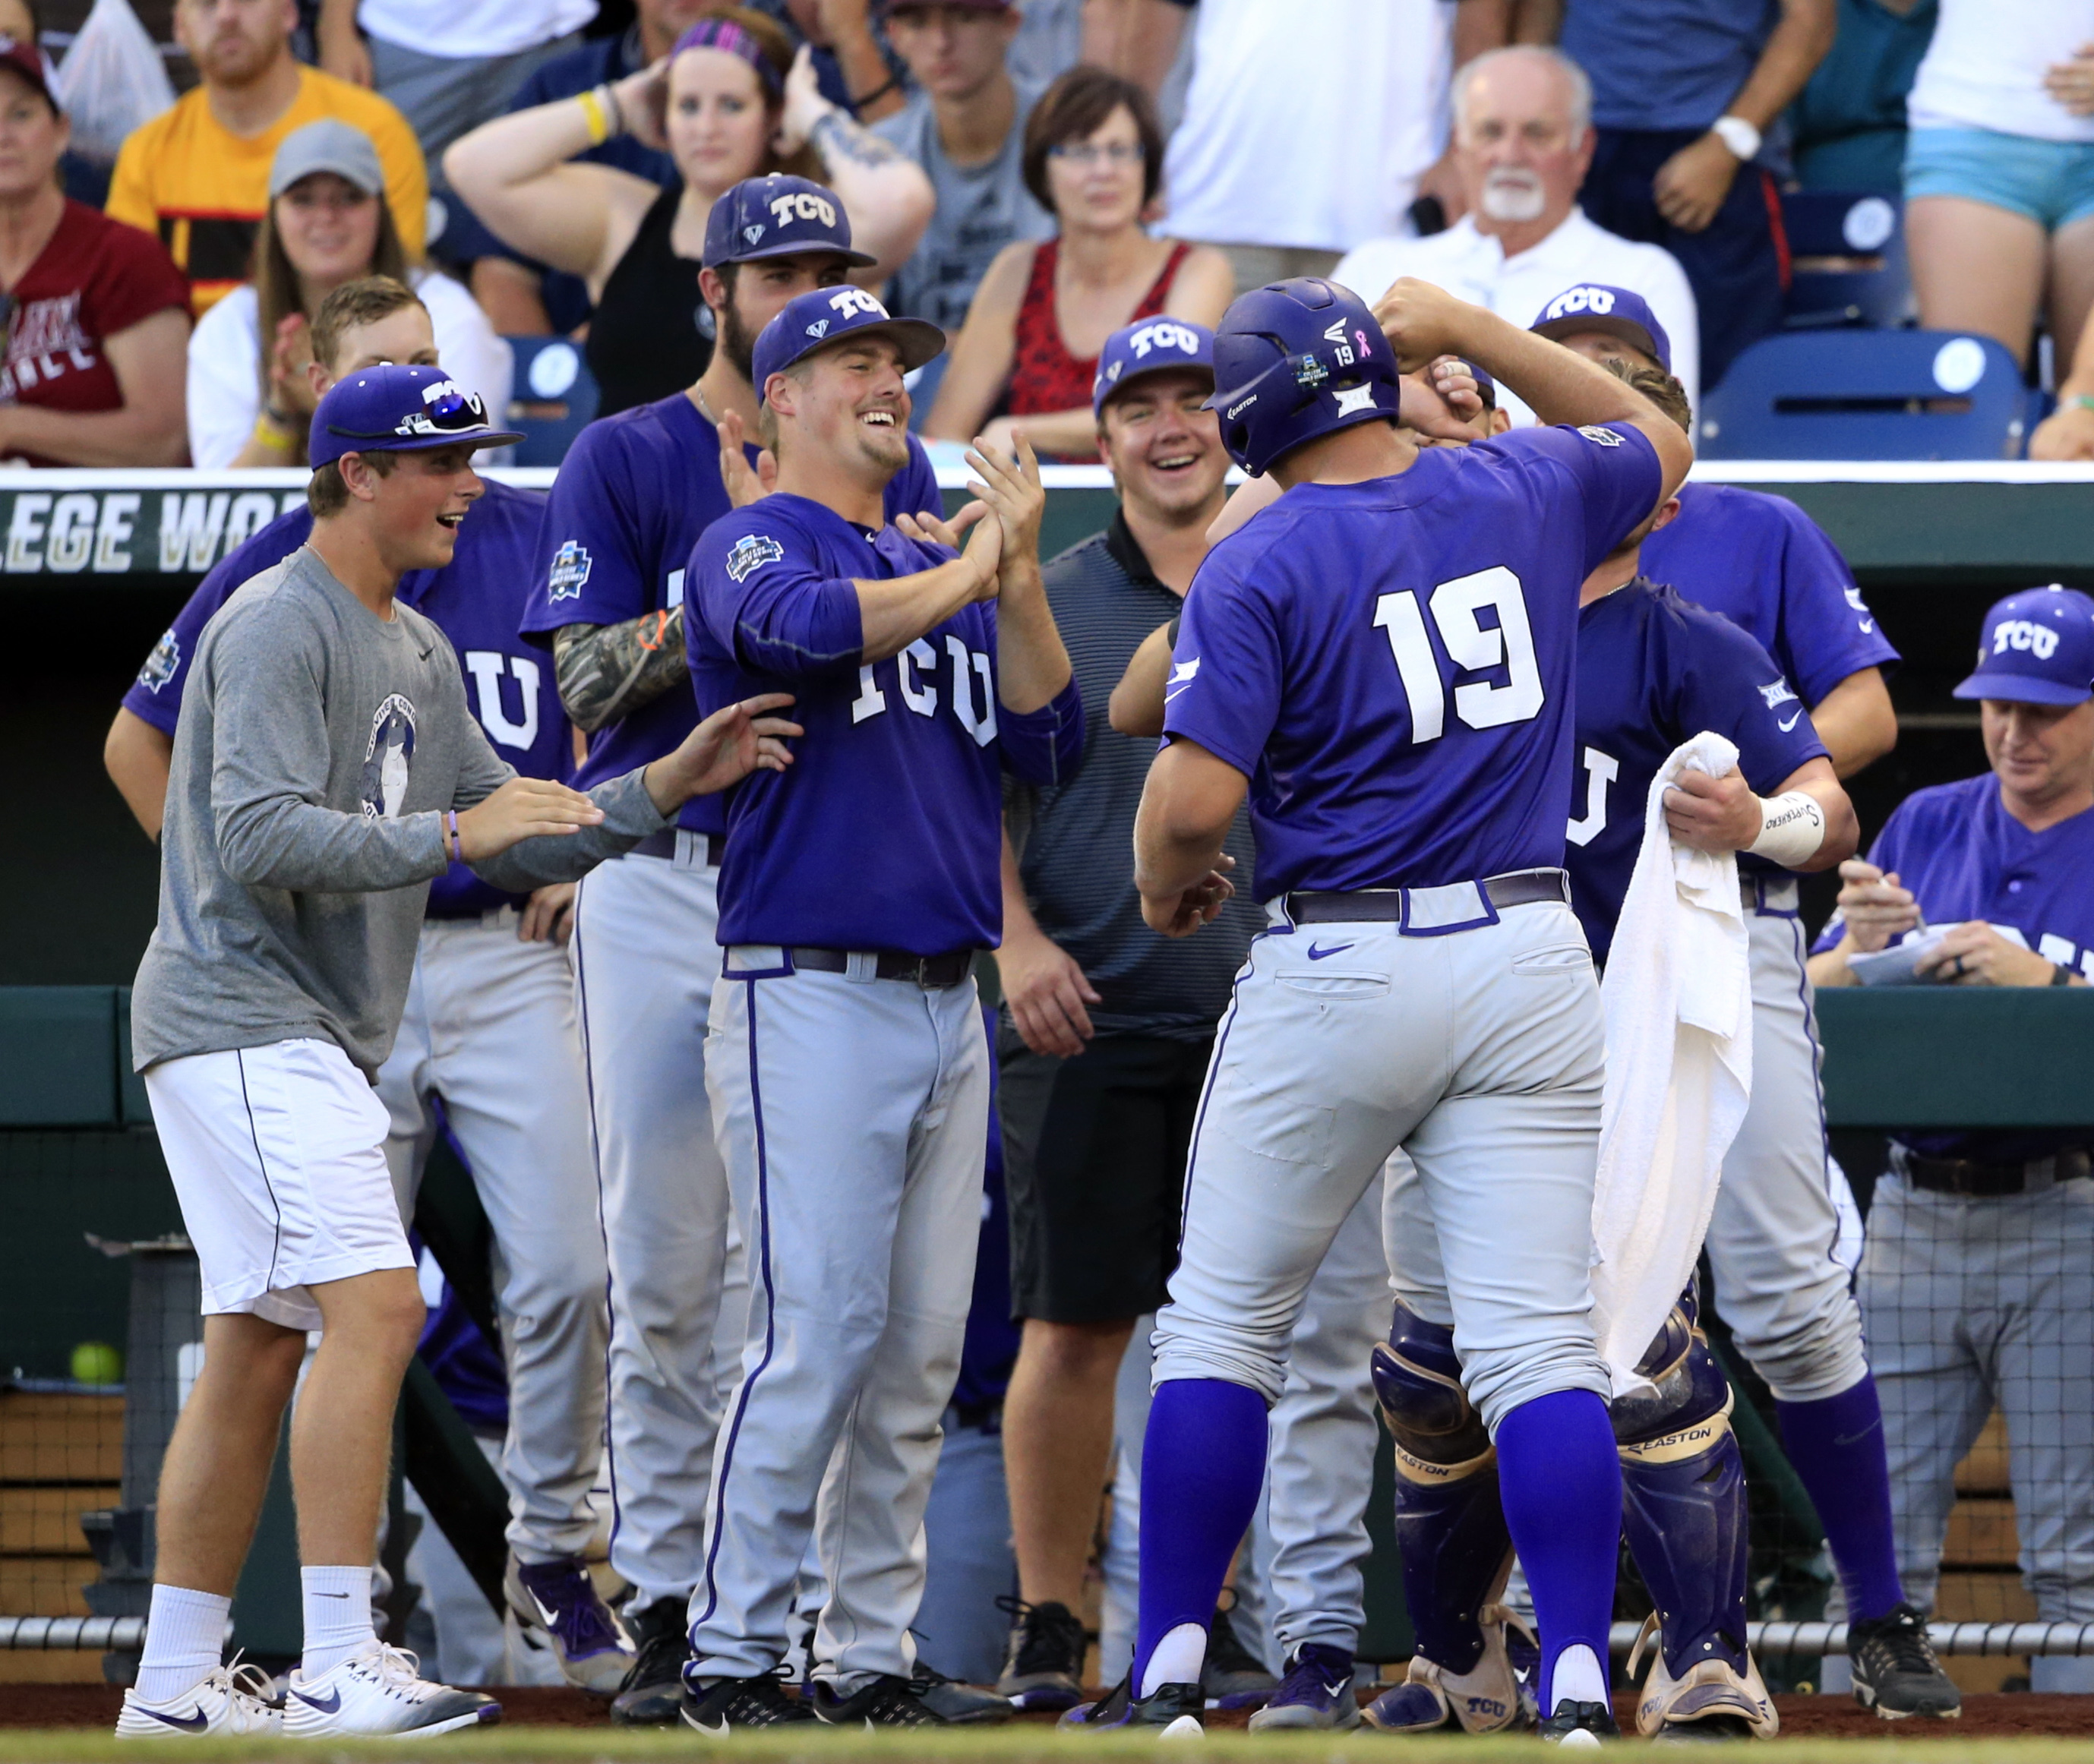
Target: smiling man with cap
<point x="846" y="1061"/>
<point x="635" y="493"/>
<point x="327" y="769"/>
<point x="1980" y="1250"/>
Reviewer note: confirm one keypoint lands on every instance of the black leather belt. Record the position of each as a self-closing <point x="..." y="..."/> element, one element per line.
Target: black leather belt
<point x="1968" y="1176"/>
<point x="1370" y="906"/>
<point x="933" y="973"/>
<point x="663" y="844"/>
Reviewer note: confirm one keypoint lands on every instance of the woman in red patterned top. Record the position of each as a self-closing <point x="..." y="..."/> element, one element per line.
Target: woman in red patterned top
<point x="1094" y="157"/>
<point x="96" y="314"/>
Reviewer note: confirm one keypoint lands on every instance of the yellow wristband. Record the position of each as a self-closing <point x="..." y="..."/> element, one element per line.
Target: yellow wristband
<point x="268" y="434"/>
<point x="599" y="125"/>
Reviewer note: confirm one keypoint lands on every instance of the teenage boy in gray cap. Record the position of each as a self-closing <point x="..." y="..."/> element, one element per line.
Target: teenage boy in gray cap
<point x="327" y="769"/>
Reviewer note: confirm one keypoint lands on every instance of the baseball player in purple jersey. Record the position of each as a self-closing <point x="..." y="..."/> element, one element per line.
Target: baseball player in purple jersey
<point x="1760" y="562"/>
<point x="846" y="1061"/>
<point x="1653" y="670"/>
<point x="1383" y="663"/>
<point x="633" y="496"/>
<point x="326" y="771"/>
<point x="1980" y="1255"/>
<point x="489" y="1021"/>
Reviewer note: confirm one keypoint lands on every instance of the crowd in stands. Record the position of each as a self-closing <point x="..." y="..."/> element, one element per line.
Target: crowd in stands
<point x="1028" y="175"/>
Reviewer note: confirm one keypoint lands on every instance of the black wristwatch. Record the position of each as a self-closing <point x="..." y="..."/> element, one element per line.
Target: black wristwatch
<point x="2060" y="974"/>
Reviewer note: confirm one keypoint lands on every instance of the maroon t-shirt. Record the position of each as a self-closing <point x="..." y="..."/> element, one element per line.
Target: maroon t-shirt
<point x="96" y="277"/>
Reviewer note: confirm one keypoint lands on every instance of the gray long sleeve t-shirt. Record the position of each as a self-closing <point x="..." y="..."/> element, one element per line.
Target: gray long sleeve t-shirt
<point x="319" y="746"/>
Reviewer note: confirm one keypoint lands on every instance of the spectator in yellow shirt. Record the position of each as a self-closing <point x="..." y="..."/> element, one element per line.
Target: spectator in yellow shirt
<point x="198" y="175"/>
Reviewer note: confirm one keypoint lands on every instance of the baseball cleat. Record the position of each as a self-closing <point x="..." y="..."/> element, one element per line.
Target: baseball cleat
<point x="1230" y="1676"/>
<point x="884" y="1701"/>
<point x="227" y="1700"/>
<point x="1317" y="1692"/>
<point x="732" y="1705"/>
<point x="377" y="1694"/>
<point x="558" y="1600"/>
<point x="653" y="1690"/>
<point x="1896" y="1672"/>
<point x="1174" y="1708"/>
<point x="1485" y="1699"/>
<point x="962" y="1705"/>
<point x="1580" y="1724"/>
<point x="1044" y="1667"/>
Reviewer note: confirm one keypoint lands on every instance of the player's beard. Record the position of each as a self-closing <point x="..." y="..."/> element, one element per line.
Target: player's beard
<point x="1514" y="194"/>
<point x="738" y="340"/>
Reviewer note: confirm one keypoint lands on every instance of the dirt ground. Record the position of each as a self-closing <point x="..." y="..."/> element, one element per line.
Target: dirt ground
<point x="1984" y="1717"/>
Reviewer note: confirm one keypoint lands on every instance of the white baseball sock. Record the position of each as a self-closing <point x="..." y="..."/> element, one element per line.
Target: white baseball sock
<point x="337" y="1603"/>
<point x="184" y="1640"/>
<point x="1577" y="1678"/>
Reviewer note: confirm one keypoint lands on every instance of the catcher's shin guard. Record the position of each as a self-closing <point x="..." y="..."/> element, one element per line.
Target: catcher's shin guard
<point x="1684" y="1516"/>
<point x="1451" y="1531"/>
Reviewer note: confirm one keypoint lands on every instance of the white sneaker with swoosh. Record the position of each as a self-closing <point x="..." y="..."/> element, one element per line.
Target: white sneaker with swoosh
<point x="229" y="1700"/>
<point x="379" y="1693"/>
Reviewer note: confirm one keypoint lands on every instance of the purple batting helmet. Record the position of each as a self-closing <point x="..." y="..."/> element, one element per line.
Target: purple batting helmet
<point x="1297" y="360"/>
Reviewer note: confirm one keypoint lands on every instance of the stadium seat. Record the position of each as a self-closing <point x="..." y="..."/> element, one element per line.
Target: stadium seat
<point x="1848" y="248"/>
<point x="555" y="394"/>
<point x="1857" y="394"/>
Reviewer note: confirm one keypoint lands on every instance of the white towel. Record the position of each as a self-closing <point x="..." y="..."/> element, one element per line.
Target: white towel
<point x="1677" y="997"/>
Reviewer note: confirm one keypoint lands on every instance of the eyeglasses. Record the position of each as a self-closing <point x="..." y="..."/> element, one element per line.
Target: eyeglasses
<point x="449" y="413"/>
<point x="1088" y="154"/>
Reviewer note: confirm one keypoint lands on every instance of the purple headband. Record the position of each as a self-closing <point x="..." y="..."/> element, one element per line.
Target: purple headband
<point x="731" y="39"/>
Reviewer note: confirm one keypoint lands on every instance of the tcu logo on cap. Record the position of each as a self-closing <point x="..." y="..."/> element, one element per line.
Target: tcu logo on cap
<point x="1163" y="334"/>
<point x="846" y="300"/>
<point x="2024" y="634"/>
<point x="1596" y="300"/>
<point x="802" y="205"/>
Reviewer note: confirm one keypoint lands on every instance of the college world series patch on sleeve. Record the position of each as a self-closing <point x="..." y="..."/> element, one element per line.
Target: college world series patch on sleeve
<point x="752" y="553"/>
<point x="569" y="572"/>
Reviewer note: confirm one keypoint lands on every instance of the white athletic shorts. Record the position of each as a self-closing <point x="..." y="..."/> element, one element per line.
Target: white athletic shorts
<point x="278" y="1157"/>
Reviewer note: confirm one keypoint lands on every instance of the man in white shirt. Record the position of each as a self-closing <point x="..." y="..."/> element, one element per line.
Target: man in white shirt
<point x="1523" y="139"/>
<point x="1306" y="128"/>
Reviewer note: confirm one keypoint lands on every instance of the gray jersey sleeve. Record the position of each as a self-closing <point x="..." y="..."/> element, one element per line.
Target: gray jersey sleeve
<point x="270" y="761"/>
<point x="629" y="816"/>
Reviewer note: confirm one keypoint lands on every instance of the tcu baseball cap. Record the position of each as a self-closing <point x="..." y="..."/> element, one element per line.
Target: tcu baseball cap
<point x="2038" y="648"/>
<point x="778" y="216"/>
<point x="1148" y="347"/>
<point x="814" y="321"/>
<point x="395" y="410"/>
<point x="1617" y="311"/>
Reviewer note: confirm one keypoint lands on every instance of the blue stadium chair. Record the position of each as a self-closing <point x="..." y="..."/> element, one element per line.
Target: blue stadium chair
<point x="554" y="395"/>
<point x="1848" y="251"/>
<point x="1856" y="394"/>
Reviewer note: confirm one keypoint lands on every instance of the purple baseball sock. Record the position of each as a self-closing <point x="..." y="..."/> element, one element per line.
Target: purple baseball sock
<point x="1202" y="1465"/>
<point x="1561" y="1485"/>
<point x="1836" y="1444"/>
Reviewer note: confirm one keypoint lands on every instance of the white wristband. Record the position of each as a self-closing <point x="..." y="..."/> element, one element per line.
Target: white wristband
<point x="1738" y="136"/>
<point x="1791" y="828"/>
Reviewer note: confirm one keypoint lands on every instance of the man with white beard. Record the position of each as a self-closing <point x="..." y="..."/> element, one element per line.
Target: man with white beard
<point x="1523" y="138"/>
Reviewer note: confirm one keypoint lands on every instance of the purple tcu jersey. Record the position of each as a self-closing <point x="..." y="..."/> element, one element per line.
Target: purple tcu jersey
<point x="1964" y="857"/>
<point x="632" y="495"/>
<point x="1391" y="664"/>
<point x="1654" y="670"/>
<point x="476" y="600"/>
<point x="886" y="833"/>
<point x="1763" y="563"/>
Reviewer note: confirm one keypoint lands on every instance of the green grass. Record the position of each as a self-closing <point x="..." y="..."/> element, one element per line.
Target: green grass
<point x="1010" y="1745"/>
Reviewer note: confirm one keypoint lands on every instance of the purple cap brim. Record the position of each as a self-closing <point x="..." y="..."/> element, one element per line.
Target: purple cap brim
<point x="2022" y="688"/>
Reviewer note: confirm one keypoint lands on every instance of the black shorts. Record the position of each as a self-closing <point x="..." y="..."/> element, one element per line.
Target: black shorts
<point x="1094" y="1165"/>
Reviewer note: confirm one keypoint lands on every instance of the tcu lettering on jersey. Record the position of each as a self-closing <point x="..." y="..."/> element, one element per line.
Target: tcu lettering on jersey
<point x="916" y="670"/>
<point x="486" y="668"/>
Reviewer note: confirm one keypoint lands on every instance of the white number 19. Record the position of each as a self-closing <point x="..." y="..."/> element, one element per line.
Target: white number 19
<point x="1472" y="646"/>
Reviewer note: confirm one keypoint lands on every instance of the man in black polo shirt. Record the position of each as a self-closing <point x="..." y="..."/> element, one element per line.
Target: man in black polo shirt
<point x="1110" y="1025"/>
